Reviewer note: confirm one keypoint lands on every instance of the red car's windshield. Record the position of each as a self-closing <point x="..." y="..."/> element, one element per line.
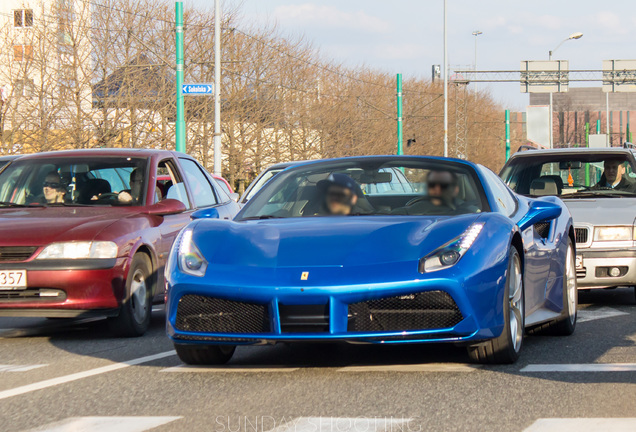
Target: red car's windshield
<point x="74" y="181"/>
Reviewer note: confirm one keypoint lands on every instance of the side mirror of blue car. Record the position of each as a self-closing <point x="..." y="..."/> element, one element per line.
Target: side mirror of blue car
<point x="540" y="211"/>
<point x="205" y="213"/>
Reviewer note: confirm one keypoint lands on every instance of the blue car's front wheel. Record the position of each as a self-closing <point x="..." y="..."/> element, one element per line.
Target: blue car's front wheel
<point x="506" y="347"/>
<point x="204" y="354"/>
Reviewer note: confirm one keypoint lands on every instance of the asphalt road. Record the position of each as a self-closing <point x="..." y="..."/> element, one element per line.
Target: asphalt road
<point x="73" y="376"/>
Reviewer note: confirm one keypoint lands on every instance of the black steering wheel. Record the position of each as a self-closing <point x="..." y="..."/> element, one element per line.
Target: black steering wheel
<point x="107" y="195"/>
<point x="415" y="200"/>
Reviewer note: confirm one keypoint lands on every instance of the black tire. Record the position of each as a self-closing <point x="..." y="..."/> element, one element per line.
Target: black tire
<point x="205" y="354"/>
<point x="503" y="349"/>
<point x="565" y="324"/>
<point x="134" y="315"/>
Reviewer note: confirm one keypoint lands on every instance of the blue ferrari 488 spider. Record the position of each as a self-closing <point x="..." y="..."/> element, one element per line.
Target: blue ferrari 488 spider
<point x="379" y="249"/>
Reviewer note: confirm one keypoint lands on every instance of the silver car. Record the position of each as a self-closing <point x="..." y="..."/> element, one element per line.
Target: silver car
<point x="599" y="187"/>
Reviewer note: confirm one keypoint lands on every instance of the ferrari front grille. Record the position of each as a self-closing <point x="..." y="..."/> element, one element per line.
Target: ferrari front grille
<point x="204" y="314"/>
<point x="16" y="253"/>
<point x="419" y="311"/>
<point x="304" y="318"/>
<point x="581" y="235"/>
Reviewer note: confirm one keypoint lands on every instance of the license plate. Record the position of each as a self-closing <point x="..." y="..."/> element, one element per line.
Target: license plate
<point x="13" y="279"/>
<point x="579" y="262"/>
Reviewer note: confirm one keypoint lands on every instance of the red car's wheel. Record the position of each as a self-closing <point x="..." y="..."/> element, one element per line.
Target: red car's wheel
<point x="134" y="316"/>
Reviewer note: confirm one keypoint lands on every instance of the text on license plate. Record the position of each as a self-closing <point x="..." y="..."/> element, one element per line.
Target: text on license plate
<point x="12" y="279"/>
<point x="579" y="262"/>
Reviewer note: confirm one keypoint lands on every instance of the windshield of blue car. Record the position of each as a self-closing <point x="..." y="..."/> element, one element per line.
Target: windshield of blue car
<point x="260" y="182"/>
<point x="369" y="187"/>
<point x="79" y="181"/>
<point x="572" y="175"/>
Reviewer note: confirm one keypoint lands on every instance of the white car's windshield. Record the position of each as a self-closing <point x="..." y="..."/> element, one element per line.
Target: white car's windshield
<point x="572" y="175"/>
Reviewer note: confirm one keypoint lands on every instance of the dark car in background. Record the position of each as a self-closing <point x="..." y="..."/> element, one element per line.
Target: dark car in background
<point x="87" y="232"/>
<point x="599" y="187"/>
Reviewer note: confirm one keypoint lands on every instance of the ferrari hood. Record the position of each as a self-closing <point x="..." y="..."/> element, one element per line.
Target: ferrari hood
<point x="326" y="241"/>
<point x="43" y="225"/>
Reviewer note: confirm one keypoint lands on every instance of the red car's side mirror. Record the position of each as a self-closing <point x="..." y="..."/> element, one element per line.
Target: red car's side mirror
<point x="165" y="207"/>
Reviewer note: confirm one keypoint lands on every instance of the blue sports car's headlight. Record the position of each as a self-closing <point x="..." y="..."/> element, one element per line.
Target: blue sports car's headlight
<point x="449" y="254"/>
<point x="190" y="259"/>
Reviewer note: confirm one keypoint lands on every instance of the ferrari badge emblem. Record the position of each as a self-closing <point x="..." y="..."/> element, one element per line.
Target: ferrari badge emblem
<point x="304" y="276"/>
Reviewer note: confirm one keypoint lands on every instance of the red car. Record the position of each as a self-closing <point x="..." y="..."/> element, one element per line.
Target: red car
<point x="225" y="185"/>
<point x="87" y="232"/>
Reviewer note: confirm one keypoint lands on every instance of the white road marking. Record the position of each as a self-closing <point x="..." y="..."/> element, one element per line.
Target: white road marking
<point x="19" y="368"/>
<point x="584" y="367"/>
<point x="583" y="425"/>
<point x="335" y="424"/>
<point x="79" y="375"/>
<point x="229" y="368"/>
<point x="106" y="424"/>
<point x="585" y="315"/>
<point x="424" y="367"/>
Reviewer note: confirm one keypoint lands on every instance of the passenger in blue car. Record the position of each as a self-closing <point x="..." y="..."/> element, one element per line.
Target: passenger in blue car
<point x="339" y="196"/>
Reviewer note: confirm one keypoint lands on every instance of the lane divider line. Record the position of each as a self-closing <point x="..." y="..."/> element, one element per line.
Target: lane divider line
<point x="582" y="425"/>
<point x="582" y="367"/>
<point x="106" y="424"/>
<point x="585" y="315"/>
<point x="229" y="368"/>
<point x="79" y="375"/>
<point x="423" y="367"/>
<point x="343" y="424"/>
<point x="19" y="368"/>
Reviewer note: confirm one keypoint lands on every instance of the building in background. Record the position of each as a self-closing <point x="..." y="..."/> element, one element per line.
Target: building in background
<point x="582" y="111"/>
<point x="45" y="71"/>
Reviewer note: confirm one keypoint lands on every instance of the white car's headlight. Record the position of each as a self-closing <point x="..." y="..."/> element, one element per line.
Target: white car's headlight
<point x="615" y="233"/>
<point x="191" y="260"/>
<point x="79" y="250"/>
<point x="449" y="254"/>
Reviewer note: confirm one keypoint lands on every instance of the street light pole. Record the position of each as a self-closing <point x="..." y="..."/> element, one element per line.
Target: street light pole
<point x="399" y="115"/>
<point x="180" y="134"/>
<point x="476" y="33"/>
<point x="577" y="35"/>
<point x="217" y="87"/>
<point x="445" y="83"/>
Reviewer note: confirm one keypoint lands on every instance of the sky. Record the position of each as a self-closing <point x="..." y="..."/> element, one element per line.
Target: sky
<point x="406" y="36"/>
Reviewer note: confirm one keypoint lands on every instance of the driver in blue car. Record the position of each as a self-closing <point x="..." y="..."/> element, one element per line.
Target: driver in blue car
<point x="340" y="195"/>
<point x="442" y="194"/>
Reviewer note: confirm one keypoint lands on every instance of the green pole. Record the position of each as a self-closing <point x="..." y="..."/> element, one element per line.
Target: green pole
<point x="399" y="114"/>
<point x="507" y="135"/>
<point x="598" y="126"/>
<point x="180" y="136"/>
<point x="587" y="144"/>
